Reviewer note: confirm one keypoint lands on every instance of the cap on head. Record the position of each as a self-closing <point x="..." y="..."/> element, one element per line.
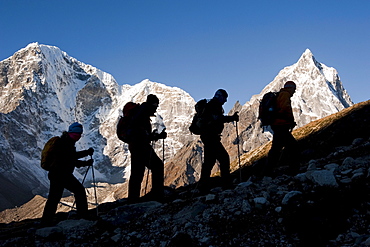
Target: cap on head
<point x="221" y="96"/>
<point x="75" y="128"/>
<point x="289" y="84"/>
<point x="152" y="99"/>
<point x="221" y="92"/>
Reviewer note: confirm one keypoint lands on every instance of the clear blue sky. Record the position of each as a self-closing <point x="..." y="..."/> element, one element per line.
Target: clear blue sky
<point x="198" y="45"/>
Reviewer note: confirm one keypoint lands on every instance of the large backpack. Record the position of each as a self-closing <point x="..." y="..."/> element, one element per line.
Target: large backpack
<point x="198" y="123"/>
<point x="268" y="108"/>
<point x="124" y="126"/>
<point x="48" y="155"/>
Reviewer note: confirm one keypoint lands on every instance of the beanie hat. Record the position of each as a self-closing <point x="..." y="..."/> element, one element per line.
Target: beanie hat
<point x="289" y="84"/>
<point x="75" y="128"/>
<point x="152" y="99"/>
<point x="221" y="96"/>
<point x="221" y="92"/>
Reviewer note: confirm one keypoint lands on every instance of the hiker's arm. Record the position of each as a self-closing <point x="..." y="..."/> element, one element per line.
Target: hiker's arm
<point x="84" y="153"/>
<point x="155" y="136"/>
<point x="81" y="163"/>
<point x="234" y="117"/>
<point x="227" y="119"/>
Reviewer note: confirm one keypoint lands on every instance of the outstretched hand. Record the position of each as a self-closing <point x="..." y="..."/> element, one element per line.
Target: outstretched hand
<point x="156" y="136"/>
<point x="162" y="135"/>
<point x="90" y="151"/>
<point x="236" y="116"/>
<point x="89" y="162"/>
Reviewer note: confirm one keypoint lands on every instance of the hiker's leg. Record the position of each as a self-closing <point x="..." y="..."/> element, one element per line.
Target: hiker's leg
<point x="73" y="185"/>
<point x="138" y="161"/>
<point x="223" y="157"/>
<point x="55" y="194"/>
<point x="278" y="142"/>
<point x="292" y="153"/>
<point x="157" y="168"/>
<point x="209" y="160"/>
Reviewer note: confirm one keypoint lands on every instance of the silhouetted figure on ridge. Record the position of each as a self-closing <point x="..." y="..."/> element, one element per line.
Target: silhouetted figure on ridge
<point x="282" y="127"/>
<point x="214" y="117"/>
<point x="60" y="159"/>
<point x="143" y="154"/>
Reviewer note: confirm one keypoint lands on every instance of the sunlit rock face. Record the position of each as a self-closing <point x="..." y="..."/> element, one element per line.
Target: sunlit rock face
<point x="43" y="90"/>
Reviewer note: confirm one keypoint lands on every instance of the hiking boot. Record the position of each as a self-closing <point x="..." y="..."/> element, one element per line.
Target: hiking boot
<point x="47" y="223"/>
<point x="153" y="196"/>
<point x="227" y="186"/>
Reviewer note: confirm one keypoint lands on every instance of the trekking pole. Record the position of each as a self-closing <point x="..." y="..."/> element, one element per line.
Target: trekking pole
<point x="163" y="147"/>
<point x="163" y="151"/>
<point x="83" y="180"/>
<point x="237" y="136"/>
<point x="96" y="198"/>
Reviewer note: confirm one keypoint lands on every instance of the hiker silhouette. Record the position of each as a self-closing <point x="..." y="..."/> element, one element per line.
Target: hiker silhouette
<point x="143" y="154"/>
<point x="213" y="118"/>
<point x="282" y="126"/>
<point x="63" y="159"/>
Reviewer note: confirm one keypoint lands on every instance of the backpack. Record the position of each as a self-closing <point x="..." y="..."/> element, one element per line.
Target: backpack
<point x="198" y="123"/>
<point x="268" y="108"/>
<point x="47" y="154"/>
<point x="124" y="126"/>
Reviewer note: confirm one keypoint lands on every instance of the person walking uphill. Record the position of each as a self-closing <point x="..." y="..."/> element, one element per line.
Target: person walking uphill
<point x="143" y="154"/>
<point x="282" y="126"/>
<point x="60" y="159"/>
<point x="211" y="138"/>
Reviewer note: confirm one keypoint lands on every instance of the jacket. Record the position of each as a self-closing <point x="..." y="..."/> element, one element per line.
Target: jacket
<point x="141" y="124"/>
<point x="65" y="156"/>
<point x="284" y="114"/>
<point x="214" y="113"/>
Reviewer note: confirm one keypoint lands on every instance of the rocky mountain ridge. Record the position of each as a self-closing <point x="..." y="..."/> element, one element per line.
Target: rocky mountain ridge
<point x="43" y="90"/>
<point x="319" y="93"/>
<point x="324" y="204"/>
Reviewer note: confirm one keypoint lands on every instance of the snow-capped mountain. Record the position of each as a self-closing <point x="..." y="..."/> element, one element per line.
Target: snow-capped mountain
<point x="43" y="90"/>
<point x="319" y="93"/>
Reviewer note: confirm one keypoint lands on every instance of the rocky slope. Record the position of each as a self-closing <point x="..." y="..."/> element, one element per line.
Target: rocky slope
<point x="324" y="204"/>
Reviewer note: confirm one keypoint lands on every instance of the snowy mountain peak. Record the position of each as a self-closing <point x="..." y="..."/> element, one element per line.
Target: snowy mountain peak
<point x="319" y="93"/>
<point x="307" y="54"/>
<point x="31" y="45"/>
<point x="308" y="60"/>
<point x="43" y="90"/>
